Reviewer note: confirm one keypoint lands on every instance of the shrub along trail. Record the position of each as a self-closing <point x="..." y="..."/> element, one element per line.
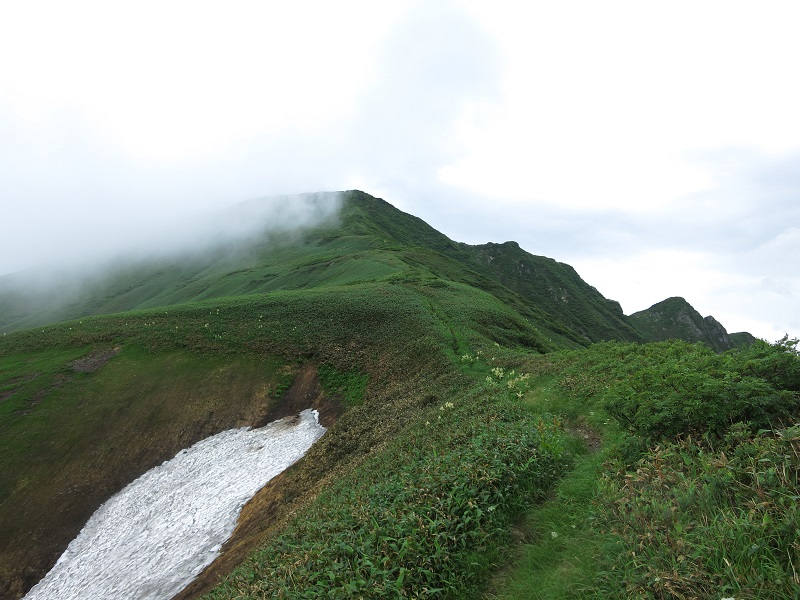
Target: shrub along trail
<point x="696" y="490"/>
<point x="428" y="516"/>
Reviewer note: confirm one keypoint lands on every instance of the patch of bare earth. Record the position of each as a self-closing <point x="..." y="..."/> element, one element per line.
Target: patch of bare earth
<point x="93" y="361"/>
<point x="582" y="430"/>
<point x="273" y="504"/>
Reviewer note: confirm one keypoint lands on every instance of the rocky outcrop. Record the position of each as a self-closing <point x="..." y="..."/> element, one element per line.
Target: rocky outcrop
<point x="675" y="318"/>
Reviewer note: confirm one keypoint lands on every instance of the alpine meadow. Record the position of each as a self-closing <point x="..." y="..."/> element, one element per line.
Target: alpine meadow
<point x="495" y="427"/>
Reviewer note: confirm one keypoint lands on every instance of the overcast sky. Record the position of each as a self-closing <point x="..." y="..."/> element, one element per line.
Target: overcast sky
<point x="655" y="147"/>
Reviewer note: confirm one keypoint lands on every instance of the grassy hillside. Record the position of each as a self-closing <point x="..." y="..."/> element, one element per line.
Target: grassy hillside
<point x="554" y="287"/>
<point x="460" y="391"/>
<point x="161" y="379"/>
<point x="369" y="240"/>
<point x="688" y="484"/>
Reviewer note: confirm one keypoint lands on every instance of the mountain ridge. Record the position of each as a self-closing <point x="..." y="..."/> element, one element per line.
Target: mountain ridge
<point x="368" y="238"/>
<point x="675" y="318"/>
<point x="375" y="315"/>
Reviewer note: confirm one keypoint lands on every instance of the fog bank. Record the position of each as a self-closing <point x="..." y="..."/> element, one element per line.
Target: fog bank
<point x="188" y="237"/>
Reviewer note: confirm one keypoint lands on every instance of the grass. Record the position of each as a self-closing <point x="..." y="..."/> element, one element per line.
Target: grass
<point x="187" y="371"/>
<point x="23" y="376"/>
<point x="672" y="517"/>
<point x="427" y="516"/>
<point x="456" y="432"/>
<point x="351" y="385"/>
<point x="461" y="418"/>
<point x="561" y="542"/>
<point x="696" y="521"/>
<point x="371" y="241"/>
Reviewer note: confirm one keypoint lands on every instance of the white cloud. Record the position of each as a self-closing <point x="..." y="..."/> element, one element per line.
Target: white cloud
<point x="603" y="100"/>
<point x="177" y="80"/>
<point x="621" y="137"/>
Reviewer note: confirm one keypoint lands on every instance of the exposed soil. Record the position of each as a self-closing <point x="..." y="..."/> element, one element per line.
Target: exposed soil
<point x="591" y="437"/>
<point x="94" y="360"/>
<point x="273" y="503"/>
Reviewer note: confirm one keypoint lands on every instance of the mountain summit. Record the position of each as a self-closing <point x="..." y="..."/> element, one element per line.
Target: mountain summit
<point x="354" y="238"/>
<point x="675" y="318"/>
<point x="338" y="302"/>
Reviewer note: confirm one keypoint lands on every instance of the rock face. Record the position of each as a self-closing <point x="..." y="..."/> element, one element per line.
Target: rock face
<point x="675" y="318"/>
<point x="716" y="333"/>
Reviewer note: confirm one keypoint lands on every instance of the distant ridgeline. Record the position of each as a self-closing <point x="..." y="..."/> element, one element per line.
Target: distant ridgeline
<point x="674" y="318"/>
<point x="369" y="241"/>
<point x="366" y="314"/>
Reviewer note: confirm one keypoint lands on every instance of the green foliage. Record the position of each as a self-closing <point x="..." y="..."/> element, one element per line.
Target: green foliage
<point x="390" y="334"/>
<point x="285" y="381"/>
<point x="350" y="385"/>
<point x="572" y="307"/>
<point x="700" y="522"/>
<point x="426" y="473"/>
<point x="663" y="390"/>
<point x="703" y="495"/>
<point x="325" y="322"/>
<point x="425" y="518"/>
<point x="563" y="542"/>
<point x="369" y="242"/>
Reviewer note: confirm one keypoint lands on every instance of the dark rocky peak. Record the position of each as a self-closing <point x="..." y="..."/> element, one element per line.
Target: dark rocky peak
<point x="675" y="318"/>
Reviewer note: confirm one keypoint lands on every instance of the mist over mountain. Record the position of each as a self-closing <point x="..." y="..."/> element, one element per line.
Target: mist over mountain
<point x="334" y="301"/>
<point x="102" y="278"/>
<point x="257" y="246"/>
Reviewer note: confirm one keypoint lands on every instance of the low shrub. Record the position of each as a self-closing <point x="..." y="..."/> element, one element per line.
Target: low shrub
<point x="702" y="522"/>
<point x="664" y="390"/>
<point x="428" y="517"/>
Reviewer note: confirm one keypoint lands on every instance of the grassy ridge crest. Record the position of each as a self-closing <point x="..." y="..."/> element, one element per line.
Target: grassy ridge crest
<point x="462" y="383"/>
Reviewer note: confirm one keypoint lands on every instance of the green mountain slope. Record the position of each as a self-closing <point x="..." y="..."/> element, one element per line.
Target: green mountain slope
<point x="556" y="288"/>
<point x="173" y="375"/>
<point x="370" y="240"/>
<point x="418" y="351"/>
<point x="675" y="318"/>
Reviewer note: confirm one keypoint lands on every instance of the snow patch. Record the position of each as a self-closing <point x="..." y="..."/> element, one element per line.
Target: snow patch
<point x="154" y="537"/>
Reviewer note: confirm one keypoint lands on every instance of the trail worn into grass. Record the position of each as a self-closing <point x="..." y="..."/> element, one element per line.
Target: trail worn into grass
<point x="559" y="542"/>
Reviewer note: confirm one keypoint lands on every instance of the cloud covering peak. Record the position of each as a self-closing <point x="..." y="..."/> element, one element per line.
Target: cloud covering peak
<point x="584" y="131"/>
